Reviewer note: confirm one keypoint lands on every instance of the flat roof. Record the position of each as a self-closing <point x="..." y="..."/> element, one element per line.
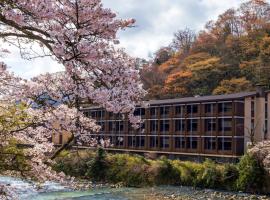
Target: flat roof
<point x="209" y="98"/>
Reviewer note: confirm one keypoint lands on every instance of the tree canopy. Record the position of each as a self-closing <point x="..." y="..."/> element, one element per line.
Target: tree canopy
<point x="232" y="51"/>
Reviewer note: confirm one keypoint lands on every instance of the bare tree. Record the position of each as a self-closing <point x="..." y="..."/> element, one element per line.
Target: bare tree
<point x="183" y="40"/>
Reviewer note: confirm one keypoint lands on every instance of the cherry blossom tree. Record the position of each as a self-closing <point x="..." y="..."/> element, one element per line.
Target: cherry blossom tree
<point x="261" y="151"/>
<point x="82" y="36"/>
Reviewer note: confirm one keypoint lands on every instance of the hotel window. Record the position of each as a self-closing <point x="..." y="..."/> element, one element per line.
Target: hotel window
<point x="130" y="128"/>
<point x="153" y="142"/>
<point x="266" y="111"/>
<point x="118" y="116"/>
<point x="164" y="125"/>
<point x="86" y="113"/>
<point x="139" y="112"/>
<point x="210" y="125"/>
<point x="252" y="124"/>
<point x="153" y="126"/>
<point x="153" y="111"/>
<point x="112" y="126"/>
<point x="252" y="109"/>
<point x="140" y="141"/>
<point x="239" y="127"/>
<point x="179" y="142"/>
<point x="111" y="114"/>
<point x="102" y="126"/>
<point x="120" y="126"/>
<point x="225" y="144"/>
<point x="192" y="125"/>
<point x="225" y="107"/>
<point x="179" y="110"/>
<point x="164" y="111"/>
<point x="111" y="139"/>
<point x="240" y="146"/>
<point x="100" y="113"/>
<point x="164" y="142"/>
<point x="180" y="125"/>
<point x="131" y="141"/>
<point x="192" y="143"/>
<point x="225" y="124"/>
<point x="142" y="127"/>
<point x="210" y="143"/>
<point x="93" y="114"/>
<point x="209" y="108"/>
<point x="119" y="141"/>
<point x="192" y="109"/>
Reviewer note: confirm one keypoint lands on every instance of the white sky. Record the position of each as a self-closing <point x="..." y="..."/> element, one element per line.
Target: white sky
<point x="156" y="21"/>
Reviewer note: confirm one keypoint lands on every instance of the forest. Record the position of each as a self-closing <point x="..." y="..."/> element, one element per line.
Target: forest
<point x="231" y="54"/>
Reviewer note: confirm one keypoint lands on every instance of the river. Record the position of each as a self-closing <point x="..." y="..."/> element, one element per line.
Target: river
<point x="52" y="191"/>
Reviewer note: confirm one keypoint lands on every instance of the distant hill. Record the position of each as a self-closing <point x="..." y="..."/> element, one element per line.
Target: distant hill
<point x="231" y="54"/>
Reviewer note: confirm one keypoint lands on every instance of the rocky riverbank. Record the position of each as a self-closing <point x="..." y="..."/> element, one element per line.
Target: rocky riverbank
<point x="188" y="193"/>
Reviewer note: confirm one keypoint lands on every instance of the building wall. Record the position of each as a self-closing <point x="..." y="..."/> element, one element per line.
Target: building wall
<point x="212" y="128"/>
<point x="216" y="128"/>
<point x="60" y="137"/>
<point x="248" y="122"/>
<point x="259" y="120"/>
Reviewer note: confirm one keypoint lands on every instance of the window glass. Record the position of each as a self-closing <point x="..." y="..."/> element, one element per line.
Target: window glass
<point x="225" y="107"/>
<point x="192" y="109"/>
<point x="225" y="124"/>
<point x="192" y="143"/>
<point x="209" y="108"/>
<point x="210" y="125"/>
<point x="210" y="143"/>
<point x="153" y="126"/>
<point x="139" y="112"/>
<point x="224" y="144"/>
<point x="131" y="141"/>
<point x="119" y="141"/>
<point x="180" y="125"/>
<point x="153" y="142"/>
<point x="164" y="126"/>
<point x="164" y="111"/>
<point x="192" y="125"/>
<point x="102" y="126"/>
<point x="140" y="141"/>
<point x="164" y="142"/>
<point x="153" y="111"/>
<point x="179" y="142"/>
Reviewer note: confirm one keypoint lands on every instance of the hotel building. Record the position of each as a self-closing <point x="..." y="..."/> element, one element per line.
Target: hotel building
<point x="205" y="126"/>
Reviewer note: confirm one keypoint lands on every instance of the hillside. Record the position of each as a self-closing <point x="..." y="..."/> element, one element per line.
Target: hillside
<point x="231" y="54"/>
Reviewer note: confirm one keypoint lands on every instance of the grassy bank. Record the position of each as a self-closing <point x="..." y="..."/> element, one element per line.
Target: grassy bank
<point x="137" y="171"/>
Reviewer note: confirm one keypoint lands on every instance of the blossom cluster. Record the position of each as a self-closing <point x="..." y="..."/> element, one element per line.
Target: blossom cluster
<point x="82" y="36"/>
<point x="261" y="151"/>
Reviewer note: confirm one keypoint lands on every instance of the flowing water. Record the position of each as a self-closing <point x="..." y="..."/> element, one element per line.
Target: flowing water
<point x="52" y="191"/>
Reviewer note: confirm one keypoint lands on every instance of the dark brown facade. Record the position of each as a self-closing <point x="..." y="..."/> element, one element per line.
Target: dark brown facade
<point x="217" y="126"/>
<point x="190" y="126"/>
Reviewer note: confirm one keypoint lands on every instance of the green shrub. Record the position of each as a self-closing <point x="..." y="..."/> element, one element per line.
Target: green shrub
<point x="96" y="168"/>
<point x="167" y="173"/>
<point x="13" y="158"/>
<point x="189" y="173"/>
<point x="137" y="171"/>
<point x="230" y="176"/>
<point x="209" y="175"/>
<point x="129" y="170"/>
<point x="251" y="174"/>
<point x="73" y="163"/>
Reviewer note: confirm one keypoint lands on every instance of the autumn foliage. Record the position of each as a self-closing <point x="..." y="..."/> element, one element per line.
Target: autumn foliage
<point x="231" y="54"/>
